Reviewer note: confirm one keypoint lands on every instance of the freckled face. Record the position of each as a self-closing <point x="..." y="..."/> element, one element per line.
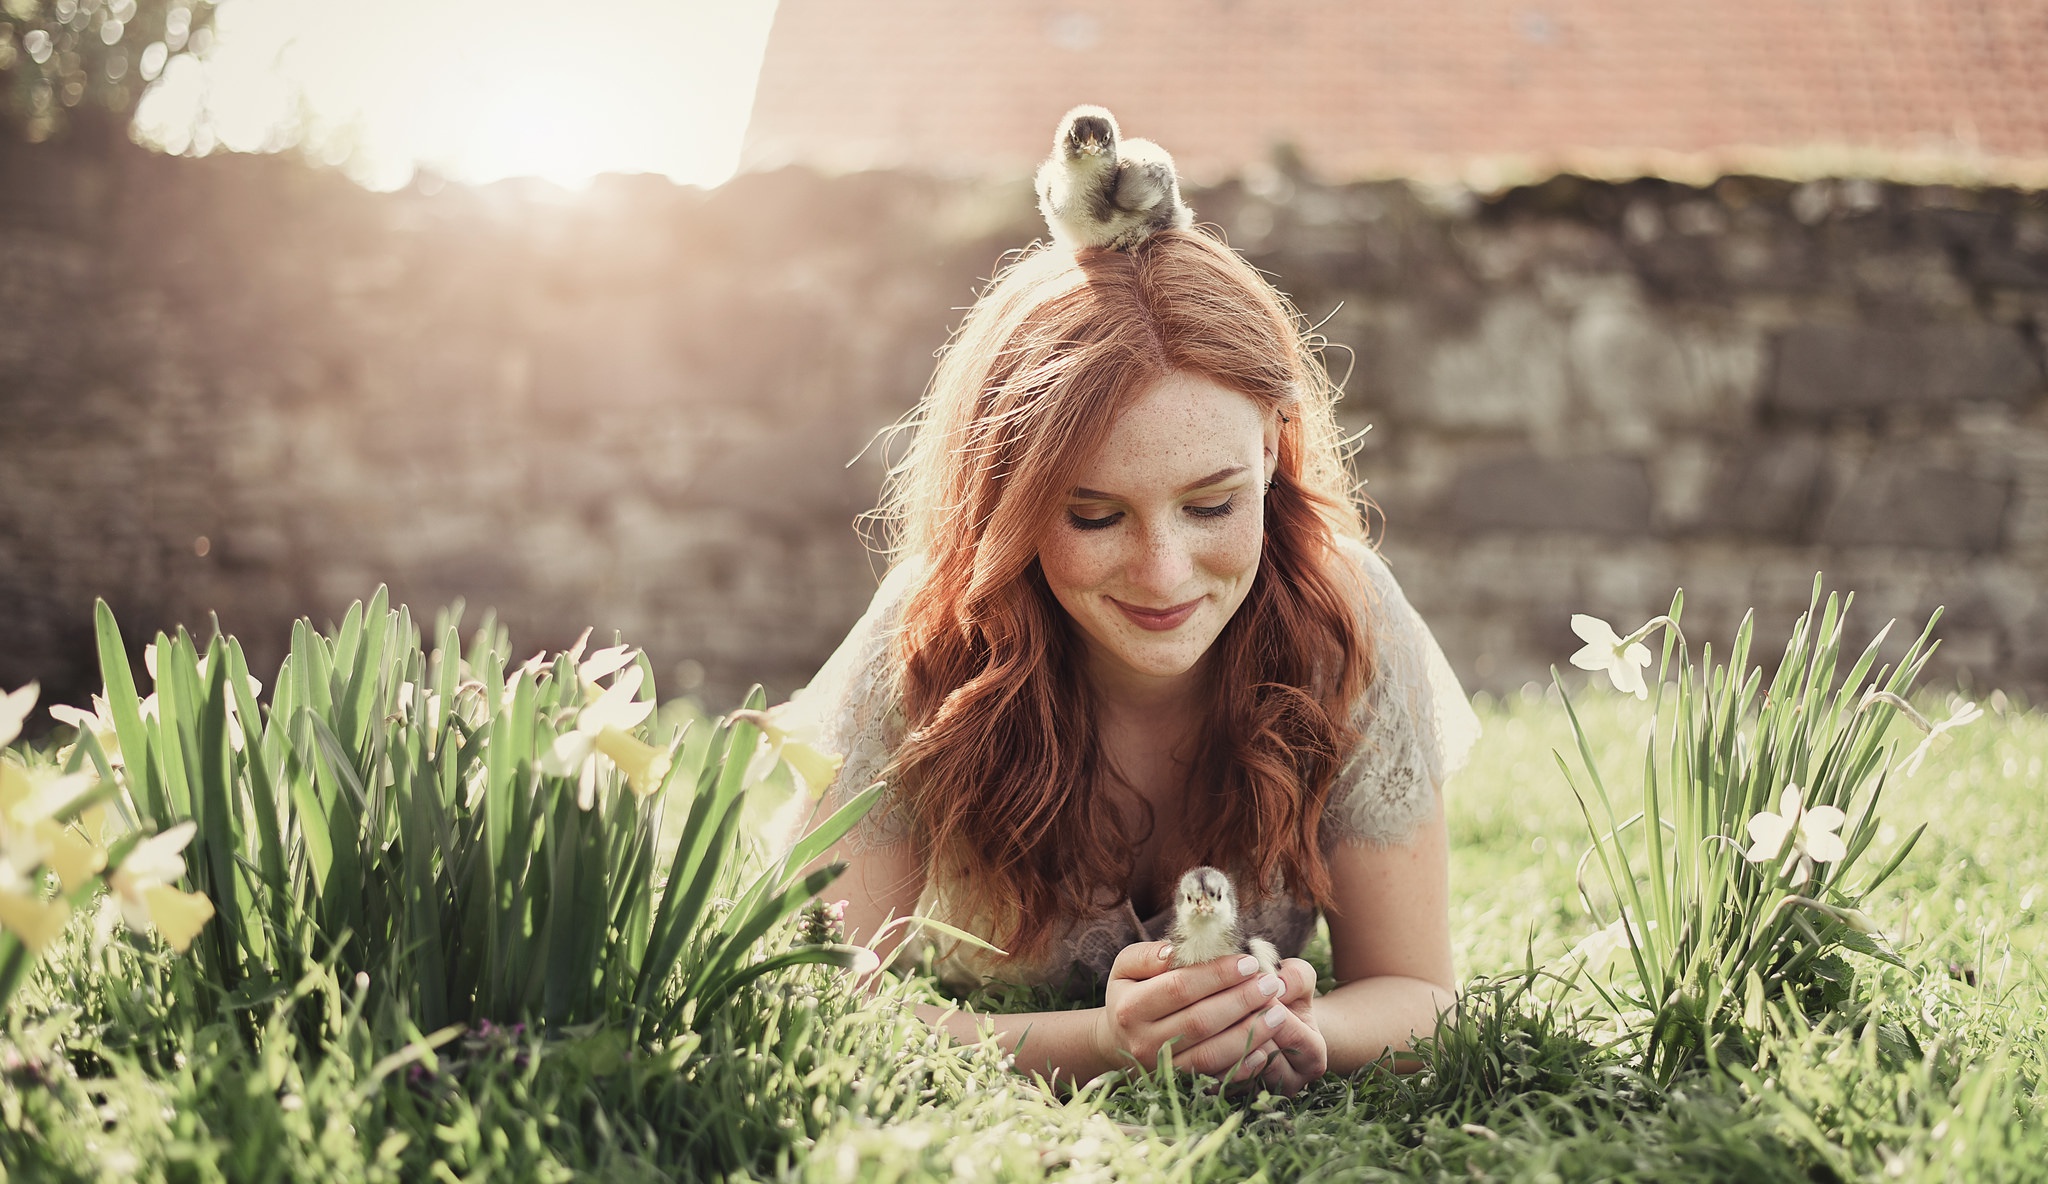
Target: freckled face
<point x="1160" y="538"/>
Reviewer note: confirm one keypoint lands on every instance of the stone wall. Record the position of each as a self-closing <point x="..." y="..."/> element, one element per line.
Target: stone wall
<point x="237" y="386"/>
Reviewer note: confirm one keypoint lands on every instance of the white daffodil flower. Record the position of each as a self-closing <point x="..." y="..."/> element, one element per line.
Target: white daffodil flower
<point x="602" y="729"/>
<point x="25" y="913"/>
<point x="99" y="722"/>
<point x="1599" y="950"/>
<point x="31" y="839"/>
<point x="601" y="664"/>
<point x="1963" y="716"/>
<point x="1623" y="658"/>
<point x="235" y="739"/>
<point x="31" y="836"/>
<point x="140" y="892"/>
<point x="780" y="741"/>
<point x="1801" y="836"/>
<point x="14" y="708"/>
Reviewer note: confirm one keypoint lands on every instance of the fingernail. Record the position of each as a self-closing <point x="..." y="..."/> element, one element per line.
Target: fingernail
<point x="1275" y="1014"/>
<point x="1270" y="985"/>
<point x="1247" y="964"/>
<point x="1165" y="953"/>
<point x="1254" y="1062"/>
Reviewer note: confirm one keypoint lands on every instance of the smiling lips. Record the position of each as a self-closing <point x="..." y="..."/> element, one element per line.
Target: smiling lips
<point x="1158" y="620"/>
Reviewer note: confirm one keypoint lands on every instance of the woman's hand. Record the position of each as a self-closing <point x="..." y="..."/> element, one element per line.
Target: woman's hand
<point x="1211" y="1014"/>
<point x="1299" y="1052"/>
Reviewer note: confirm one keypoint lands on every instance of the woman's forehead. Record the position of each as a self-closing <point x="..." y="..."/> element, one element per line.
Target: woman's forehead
<point x="1182" y="430"/>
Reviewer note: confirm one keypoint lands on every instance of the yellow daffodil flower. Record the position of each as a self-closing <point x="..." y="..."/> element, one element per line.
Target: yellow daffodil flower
<point x="791" y="745"/>
<point x="602" y="729"/>
<point x="140" y="889"/>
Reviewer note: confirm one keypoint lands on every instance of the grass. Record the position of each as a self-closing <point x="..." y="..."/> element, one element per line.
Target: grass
<point x="1931" y="1071"/>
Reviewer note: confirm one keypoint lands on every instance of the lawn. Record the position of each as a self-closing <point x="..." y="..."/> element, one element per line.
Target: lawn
<point x="128" y="1061"/>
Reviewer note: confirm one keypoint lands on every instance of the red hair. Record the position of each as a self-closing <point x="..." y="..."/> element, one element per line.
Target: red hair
<point x="1002" y="764"/>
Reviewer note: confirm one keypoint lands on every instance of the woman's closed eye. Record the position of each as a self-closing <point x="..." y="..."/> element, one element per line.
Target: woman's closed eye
<point x="1079" y="519"/>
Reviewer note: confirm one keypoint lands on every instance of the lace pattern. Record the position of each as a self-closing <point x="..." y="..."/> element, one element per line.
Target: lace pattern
<point x="1416" y="726"/>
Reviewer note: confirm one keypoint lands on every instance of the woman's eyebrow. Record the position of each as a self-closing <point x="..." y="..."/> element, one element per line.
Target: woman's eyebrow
<point x="1221" y="475"/>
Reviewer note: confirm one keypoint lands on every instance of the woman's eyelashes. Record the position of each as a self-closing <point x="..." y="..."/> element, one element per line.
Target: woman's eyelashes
<point x="1080" y="521"/>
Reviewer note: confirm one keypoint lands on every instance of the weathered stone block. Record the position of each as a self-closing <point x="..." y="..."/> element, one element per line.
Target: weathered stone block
<point x="1898" y="502"/>
<point x="1823" y="369"/>
<point x="1600" y="495"/>
<point x="1769" y="488"/>
<point x="1509" y="376"/>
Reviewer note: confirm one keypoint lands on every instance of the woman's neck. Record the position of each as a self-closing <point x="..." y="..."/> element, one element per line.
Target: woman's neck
<point x="1129" y="695"/>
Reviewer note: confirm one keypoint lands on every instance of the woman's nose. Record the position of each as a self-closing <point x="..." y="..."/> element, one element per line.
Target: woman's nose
<point x="1163" y="563"/>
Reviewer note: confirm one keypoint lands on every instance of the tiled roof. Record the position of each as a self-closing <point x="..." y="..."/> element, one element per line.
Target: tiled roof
<point x="1506" y="89"/>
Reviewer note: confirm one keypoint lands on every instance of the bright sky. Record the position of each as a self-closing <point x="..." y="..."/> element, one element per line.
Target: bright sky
<point x="474" y="90"/>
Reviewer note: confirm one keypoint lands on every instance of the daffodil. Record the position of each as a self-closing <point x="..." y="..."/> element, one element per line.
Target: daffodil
<point x="140" y="891"/>
<point x="790" y="744"/>
<point x="26" y="914"/>
<point x="99" y="723"/>
<point x="32" y="839"/>
<point x="1963" y="716"/>
<point x="30" y="835"/>
<point x="14" y="709"/>
<point x="602" y="729"/>
<point x="233" y="712"/>
<point x="1623" y="658"/>
<point x="1800" y="835"/>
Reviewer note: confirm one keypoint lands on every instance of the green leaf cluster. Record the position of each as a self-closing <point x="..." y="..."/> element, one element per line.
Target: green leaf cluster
<point x="1719" y="945"/>
<point x="389" y="815"/>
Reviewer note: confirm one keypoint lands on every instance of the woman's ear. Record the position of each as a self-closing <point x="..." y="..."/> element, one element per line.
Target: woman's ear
<point x="1271" y="444"/>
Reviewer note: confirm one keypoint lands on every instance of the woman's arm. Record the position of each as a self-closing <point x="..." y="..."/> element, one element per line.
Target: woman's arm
<point x="1390" y="944"/>
<point x="1213" y="1014"/>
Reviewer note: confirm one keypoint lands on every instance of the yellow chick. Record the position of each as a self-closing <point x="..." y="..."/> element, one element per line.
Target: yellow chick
<point x="1205" y="923"/>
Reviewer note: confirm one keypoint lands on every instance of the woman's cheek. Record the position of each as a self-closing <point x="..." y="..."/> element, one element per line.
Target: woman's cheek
<point x="1235" y="548"/>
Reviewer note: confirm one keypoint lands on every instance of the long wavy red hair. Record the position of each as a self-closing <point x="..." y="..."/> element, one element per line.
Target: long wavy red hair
<point x="1001" y="770"/>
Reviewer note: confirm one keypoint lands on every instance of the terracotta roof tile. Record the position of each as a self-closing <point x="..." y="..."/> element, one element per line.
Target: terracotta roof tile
<point x="1381" y="87"/>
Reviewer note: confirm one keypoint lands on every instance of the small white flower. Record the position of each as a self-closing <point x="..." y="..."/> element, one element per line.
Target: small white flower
<point x="1963" y="716"/>
<point x="1802" y="836"/>
<point x="1623" y="658"/>
<point x="14" y="708"/>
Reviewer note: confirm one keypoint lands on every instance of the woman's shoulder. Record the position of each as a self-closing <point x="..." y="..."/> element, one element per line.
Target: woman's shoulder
<point x="858" y="684"/>
<point x="1415" y="724"/>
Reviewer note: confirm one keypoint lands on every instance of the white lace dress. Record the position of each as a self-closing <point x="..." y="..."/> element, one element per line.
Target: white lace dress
<point x="1415" y="725"/>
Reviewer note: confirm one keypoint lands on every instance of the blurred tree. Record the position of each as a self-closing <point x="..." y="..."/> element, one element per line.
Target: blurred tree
<point x="62" y="59"/>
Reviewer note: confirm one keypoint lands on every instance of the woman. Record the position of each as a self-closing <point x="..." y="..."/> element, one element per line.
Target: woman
<point x="1133" y="628"/>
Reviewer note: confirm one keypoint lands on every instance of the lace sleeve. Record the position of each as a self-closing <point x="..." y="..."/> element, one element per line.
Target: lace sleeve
<point x="1416" y="726"/>
<point x="852" y="707"/>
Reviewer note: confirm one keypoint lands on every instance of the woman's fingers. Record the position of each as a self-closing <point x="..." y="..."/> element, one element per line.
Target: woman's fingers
<point x="1300" y="977"/>
<point x="1156" y="991"/>
<point x="1265" y="1027"/>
